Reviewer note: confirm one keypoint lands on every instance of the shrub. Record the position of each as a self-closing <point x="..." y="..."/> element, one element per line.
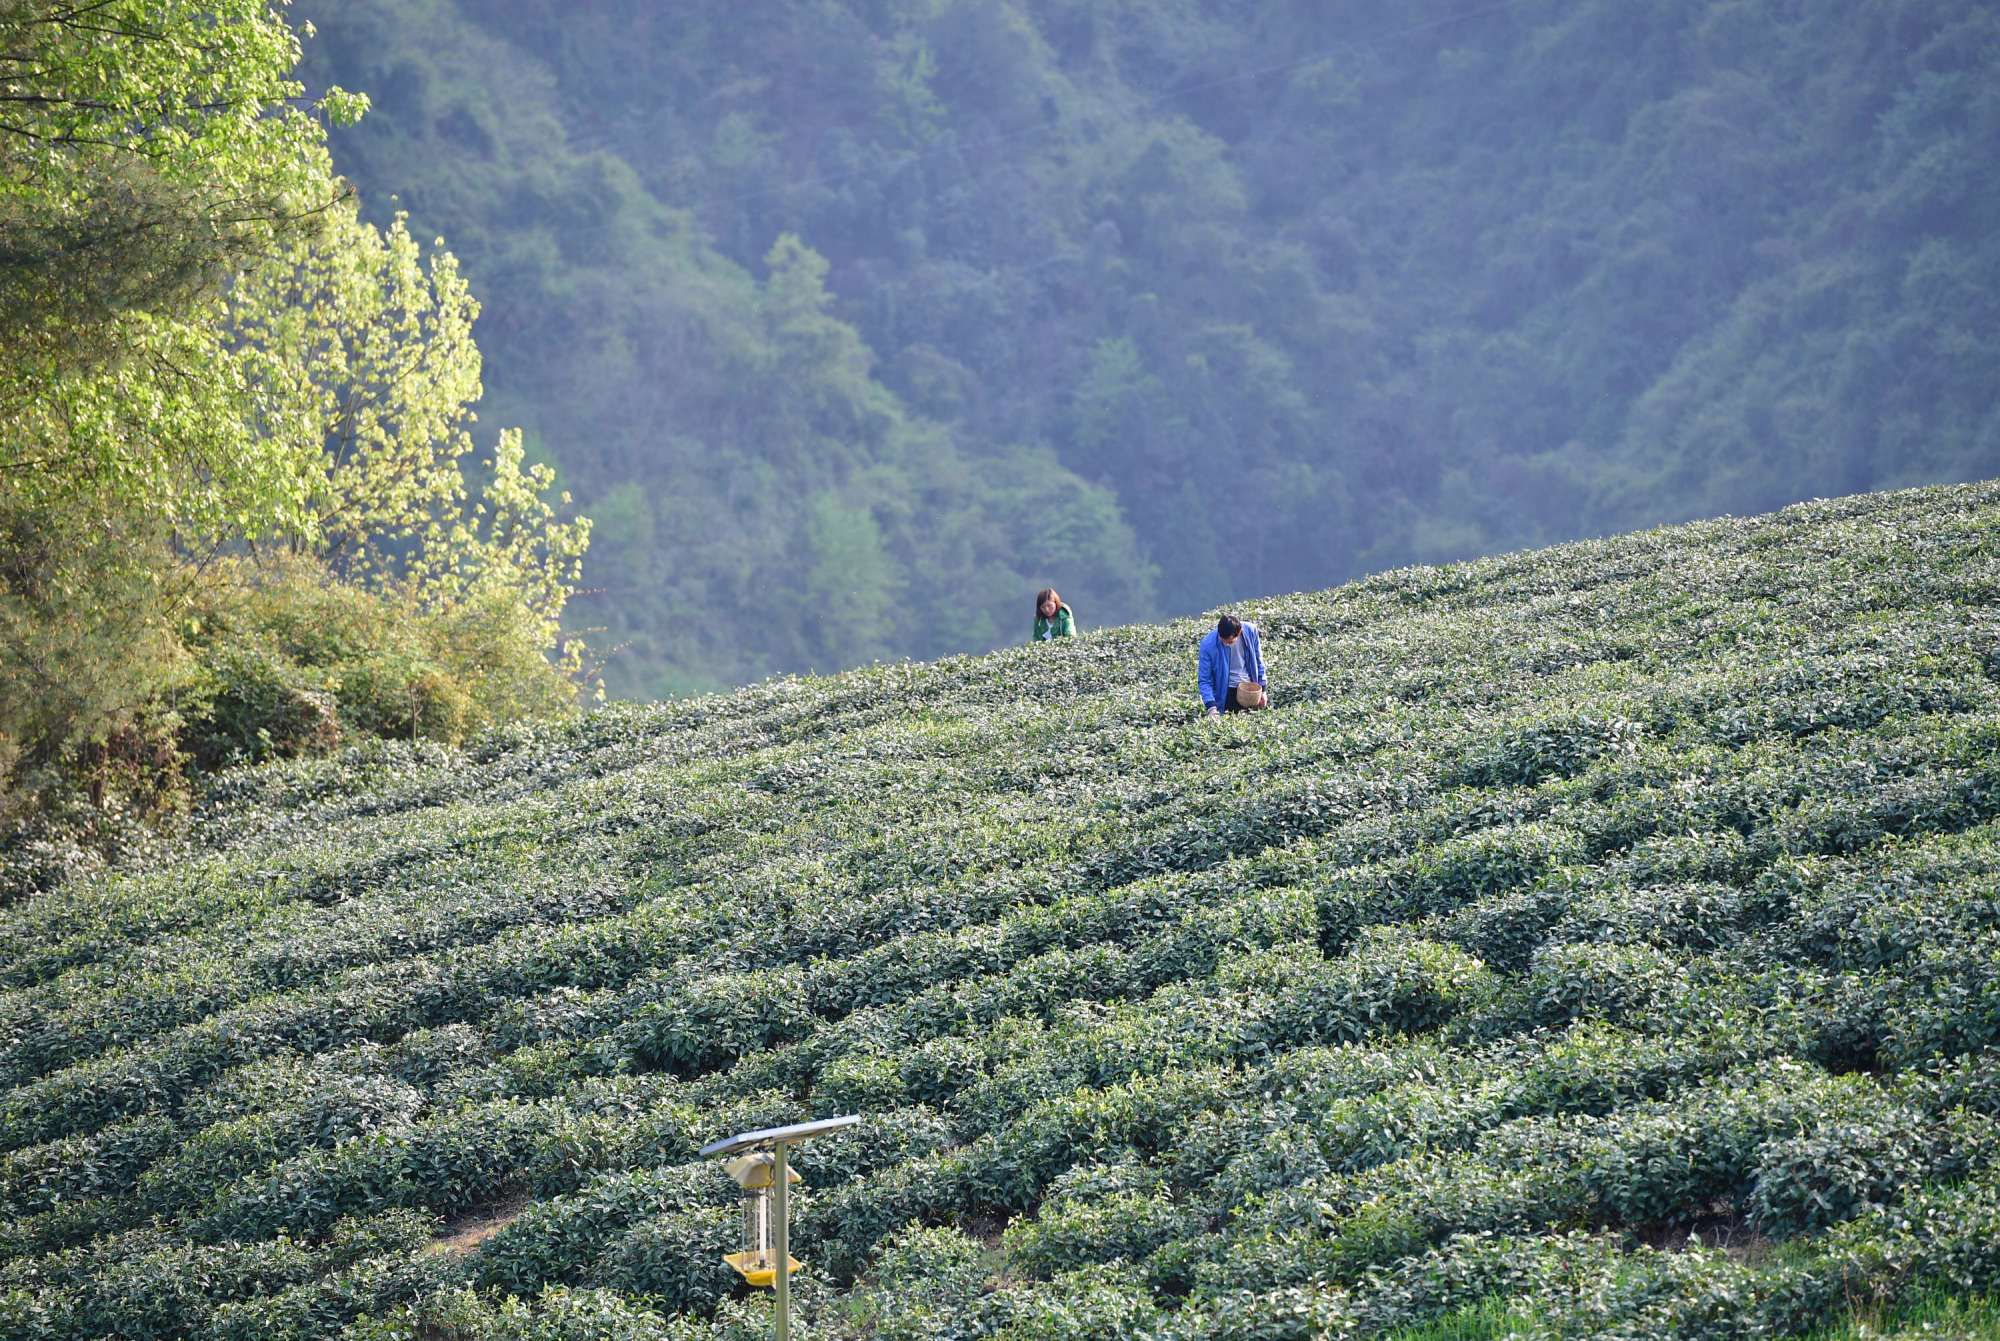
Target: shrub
<point x="1096" y="1213"/>
<point x="1839" y="1171"/>
<point x="859" y="1084"/>
<point x="1386" y="984"/>
<point x="677" y="1259"/>
<point x="557" y="1241"/>
<point x="921" y="1283"/>
<point x="1560" y="747"/>
<point x="293" y="661"/>
<point x="1615" y="983"/>
<point x="1076" y="1306"/>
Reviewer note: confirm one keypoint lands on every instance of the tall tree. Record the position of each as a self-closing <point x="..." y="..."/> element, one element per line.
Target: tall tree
<point x="148" y="151"/>
<point x="205" y="355"/>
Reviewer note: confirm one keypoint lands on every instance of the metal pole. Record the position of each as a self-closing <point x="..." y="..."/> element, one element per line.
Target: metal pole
<point x="784" y="1245"/>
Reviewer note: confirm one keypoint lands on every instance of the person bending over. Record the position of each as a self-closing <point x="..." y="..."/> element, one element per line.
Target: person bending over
<point x="1231" y="668"/>
<point x="1052" y="617"/>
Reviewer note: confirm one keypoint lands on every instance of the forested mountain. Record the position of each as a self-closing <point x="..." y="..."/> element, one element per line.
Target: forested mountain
<point x="852" y="321"/>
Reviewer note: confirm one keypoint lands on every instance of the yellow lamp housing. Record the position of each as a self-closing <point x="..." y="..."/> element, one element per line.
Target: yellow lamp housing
<point x="761" y="1269"/>
<point x="758" y="1262"/>
<point x="753" y="1172"/>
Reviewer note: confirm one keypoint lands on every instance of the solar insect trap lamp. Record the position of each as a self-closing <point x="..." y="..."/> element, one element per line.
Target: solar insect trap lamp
<point x="759" y="1168"/>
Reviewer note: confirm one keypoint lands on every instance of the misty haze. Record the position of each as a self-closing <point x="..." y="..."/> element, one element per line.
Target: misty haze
<point x="851" y="324"/>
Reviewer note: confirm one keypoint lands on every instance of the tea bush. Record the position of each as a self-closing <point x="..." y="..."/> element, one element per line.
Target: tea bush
<point x="1598" y="941"/>
<point x="922" y="1283"/>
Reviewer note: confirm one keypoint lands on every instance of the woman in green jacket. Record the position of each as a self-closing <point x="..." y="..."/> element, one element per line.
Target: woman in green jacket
<point x="1052" y="617"/>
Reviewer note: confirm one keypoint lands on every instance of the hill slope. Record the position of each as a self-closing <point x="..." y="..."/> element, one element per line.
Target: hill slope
<point x="1577" y="926"/>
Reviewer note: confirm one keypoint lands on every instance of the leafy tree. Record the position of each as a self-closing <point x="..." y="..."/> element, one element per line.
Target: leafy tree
<point x="147" y="153"/>
<point x="353" y="349"/>
<point x="234" y="511"/>
<point x="350" y="348"/>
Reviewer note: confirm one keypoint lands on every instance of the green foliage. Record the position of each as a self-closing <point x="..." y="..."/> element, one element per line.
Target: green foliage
<point x="292" y="663"/>
<point x="206" y="354"/>
<point x="1593" y="942"/>
<point x="359" y="358"/>
<point x="353" y="350"/>
<point x="150" y="152"/>
<point x="89" y="631"/>
<point x="922" y="1281"/>
<point x="1940" y="1315"/>
<point x="92" y="669"/>
<point x="1488" y="1320"/>
<point x="120" y="698"/>
<point x="147" y="151"/>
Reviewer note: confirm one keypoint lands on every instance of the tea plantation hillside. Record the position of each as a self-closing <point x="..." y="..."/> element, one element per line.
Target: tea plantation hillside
<point x="1603" y="940"/>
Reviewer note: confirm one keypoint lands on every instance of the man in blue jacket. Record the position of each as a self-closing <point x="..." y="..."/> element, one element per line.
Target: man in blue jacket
<point x="1232" y="669"/>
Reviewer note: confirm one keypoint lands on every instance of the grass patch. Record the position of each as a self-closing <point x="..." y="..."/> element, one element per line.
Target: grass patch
<point x="1935" y="1317"/>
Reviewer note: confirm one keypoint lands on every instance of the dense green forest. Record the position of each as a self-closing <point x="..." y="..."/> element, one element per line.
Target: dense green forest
<point x="1598" y="942"/>
<point x="853" y="321"/>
